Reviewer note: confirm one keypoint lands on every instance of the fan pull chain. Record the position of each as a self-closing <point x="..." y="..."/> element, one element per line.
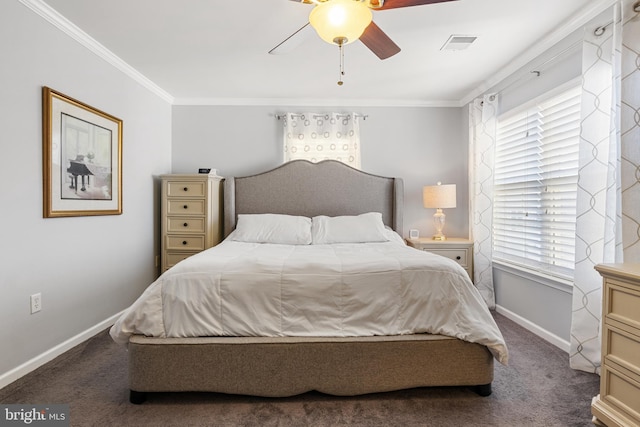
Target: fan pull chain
<point x="340" y="82"/>
<point x="340" y="41"/>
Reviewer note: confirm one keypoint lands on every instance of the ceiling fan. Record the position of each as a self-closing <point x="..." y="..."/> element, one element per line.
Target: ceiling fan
<point x="341" y="22"/>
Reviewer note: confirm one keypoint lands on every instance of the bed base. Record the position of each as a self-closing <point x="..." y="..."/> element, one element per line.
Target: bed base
<point x="287" y="366"/>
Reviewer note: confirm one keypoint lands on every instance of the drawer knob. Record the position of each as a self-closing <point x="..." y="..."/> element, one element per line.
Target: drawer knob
<point x="186" y="206"/>
<point x="184" y="242"/>
<point x="185" y="224"/>
<point x="458" y="257"/>
<point x="186" y="188"/>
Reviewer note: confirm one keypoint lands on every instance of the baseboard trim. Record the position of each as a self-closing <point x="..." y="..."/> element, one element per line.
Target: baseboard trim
<point x="31" y="365"/>
<point x="532" y="327"/>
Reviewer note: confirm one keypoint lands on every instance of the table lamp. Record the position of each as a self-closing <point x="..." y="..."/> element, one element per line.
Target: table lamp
<point x="439" y="197"/>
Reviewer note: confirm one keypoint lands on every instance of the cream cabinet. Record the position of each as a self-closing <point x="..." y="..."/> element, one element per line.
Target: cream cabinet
<point x="618" y="403"/>
<point x="457" y="249"/>
<point x="191" y="215"/>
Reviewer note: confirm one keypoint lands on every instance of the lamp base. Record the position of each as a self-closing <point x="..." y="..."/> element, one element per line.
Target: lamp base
<point x="438" y="221"/>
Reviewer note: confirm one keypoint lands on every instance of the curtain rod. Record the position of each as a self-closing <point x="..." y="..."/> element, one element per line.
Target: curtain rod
<point x="315" y="116"/>
<point x="599" y="31"/>
<point x="537" y="70"/>
<point x="603" y="28"/>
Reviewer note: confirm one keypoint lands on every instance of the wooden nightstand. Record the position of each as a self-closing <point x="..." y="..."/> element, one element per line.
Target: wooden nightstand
<point x="457" y="249"/>
<point x="618" y="403"/>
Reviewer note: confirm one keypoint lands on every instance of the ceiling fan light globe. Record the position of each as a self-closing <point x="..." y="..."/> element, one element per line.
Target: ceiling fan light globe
<point x="340" y="19"/>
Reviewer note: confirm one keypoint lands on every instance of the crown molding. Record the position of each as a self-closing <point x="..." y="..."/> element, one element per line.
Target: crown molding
<point x="62" y="23"/>
<point x="590" y="11"/>
<point x="298" y="102"/>
<point x="52" y="16"/>
<point x="593" y="9"/>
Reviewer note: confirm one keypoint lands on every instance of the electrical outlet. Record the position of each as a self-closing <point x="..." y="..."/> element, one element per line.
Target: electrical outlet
<point x="36" y="302"/>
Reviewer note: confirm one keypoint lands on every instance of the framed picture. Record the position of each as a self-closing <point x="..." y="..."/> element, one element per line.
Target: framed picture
<point x="82" y="158"/>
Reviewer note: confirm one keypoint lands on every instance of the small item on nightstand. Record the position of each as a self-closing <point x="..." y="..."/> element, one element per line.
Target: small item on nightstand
<point x="204" y="170"/>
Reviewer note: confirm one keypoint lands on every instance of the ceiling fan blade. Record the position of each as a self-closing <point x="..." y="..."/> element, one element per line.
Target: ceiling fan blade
<point x="378" y="42"/>
<point x="293" y="41"/>
<point x="395" y="4"/>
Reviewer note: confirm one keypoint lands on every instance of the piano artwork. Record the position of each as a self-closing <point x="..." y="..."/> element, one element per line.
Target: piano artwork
<point x="100" y="189"/>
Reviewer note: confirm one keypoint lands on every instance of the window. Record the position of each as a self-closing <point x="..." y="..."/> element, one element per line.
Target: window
<point x="322" y="136"/>
<point x="535" y="184"/>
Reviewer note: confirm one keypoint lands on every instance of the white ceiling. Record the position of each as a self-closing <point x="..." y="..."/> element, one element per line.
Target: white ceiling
<point x="214" y="51"/>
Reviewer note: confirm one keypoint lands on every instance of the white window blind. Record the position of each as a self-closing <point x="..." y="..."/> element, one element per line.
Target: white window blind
<point x="535" y="187"/>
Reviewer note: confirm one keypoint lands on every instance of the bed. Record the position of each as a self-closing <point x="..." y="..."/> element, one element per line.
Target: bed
<point x="315" y="311"/>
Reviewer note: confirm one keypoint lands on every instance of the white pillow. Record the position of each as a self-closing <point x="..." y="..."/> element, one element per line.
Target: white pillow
<point x="363" y="228"/>
<point x="273" y="228"/>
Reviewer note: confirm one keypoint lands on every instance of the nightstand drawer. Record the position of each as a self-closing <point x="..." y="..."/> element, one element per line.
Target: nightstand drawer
<point x="178" y="224"/>
<point x="185" y="207"/>
<point x="185" y="242"/>
<point x="458" y="255"/>
<point x="456" y="249"/>
<point x="185" y="189"/>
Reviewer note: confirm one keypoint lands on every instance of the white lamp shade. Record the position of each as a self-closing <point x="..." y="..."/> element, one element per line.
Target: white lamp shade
<point x="340" y="19"/>
<point x="439" y="196"/>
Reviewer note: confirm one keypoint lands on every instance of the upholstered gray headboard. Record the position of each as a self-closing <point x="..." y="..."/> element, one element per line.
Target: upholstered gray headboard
<point x="309" y="189"/>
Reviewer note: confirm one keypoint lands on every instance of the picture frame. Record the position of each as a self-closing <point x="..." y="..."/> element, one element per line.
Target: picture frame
<point x="82" y="158"/>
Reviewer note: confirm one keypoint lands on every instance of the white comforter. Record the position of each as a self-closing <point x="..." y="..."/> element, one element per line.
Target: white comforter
<point x="337" y="290"/>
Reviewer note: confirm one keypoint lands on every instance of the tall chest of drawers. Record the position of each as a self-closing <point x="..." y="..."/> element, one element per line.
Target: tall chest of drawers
<point x="191" y="215"/>
<point x="618" y="403"/>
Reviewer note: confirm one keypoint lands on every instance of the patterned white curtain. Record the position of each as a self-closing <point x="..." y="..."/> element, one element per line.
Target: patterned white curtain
<point x="482" y="143"/>
<point x="630" y="132"/>
<point x="321" y="136"/>
<point x="608" y="187"/>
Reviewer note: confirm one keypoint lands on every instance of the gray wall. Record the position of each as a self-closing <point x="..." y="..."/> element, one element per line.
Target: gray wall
<point x="420" y="145"/>
<point x="87" y="268"/>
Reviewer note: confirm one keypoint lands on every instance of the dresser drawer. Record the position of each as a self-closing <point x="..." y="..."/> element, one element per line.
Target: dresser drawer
<point x="177" y="224"/>
<point x="173" y="258"/>
<point x="622" y="348"/>
<point x="186" y="189"/>
<point x="623" y="304"/>
<point x="621" y="392"/>
<point x="458" y="255"/>
<point x="185" y="207"/>
<point x="185" y="242"/>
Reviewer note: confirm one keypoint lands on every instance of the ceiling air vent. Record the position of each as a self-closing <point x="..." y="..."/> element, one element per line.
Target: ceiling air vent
<point x="458" y="42"/>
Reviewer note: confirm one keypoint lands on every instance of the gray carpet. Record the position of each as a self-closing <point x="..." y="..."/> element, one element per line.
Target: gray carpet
<point x="537" y="389"/>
